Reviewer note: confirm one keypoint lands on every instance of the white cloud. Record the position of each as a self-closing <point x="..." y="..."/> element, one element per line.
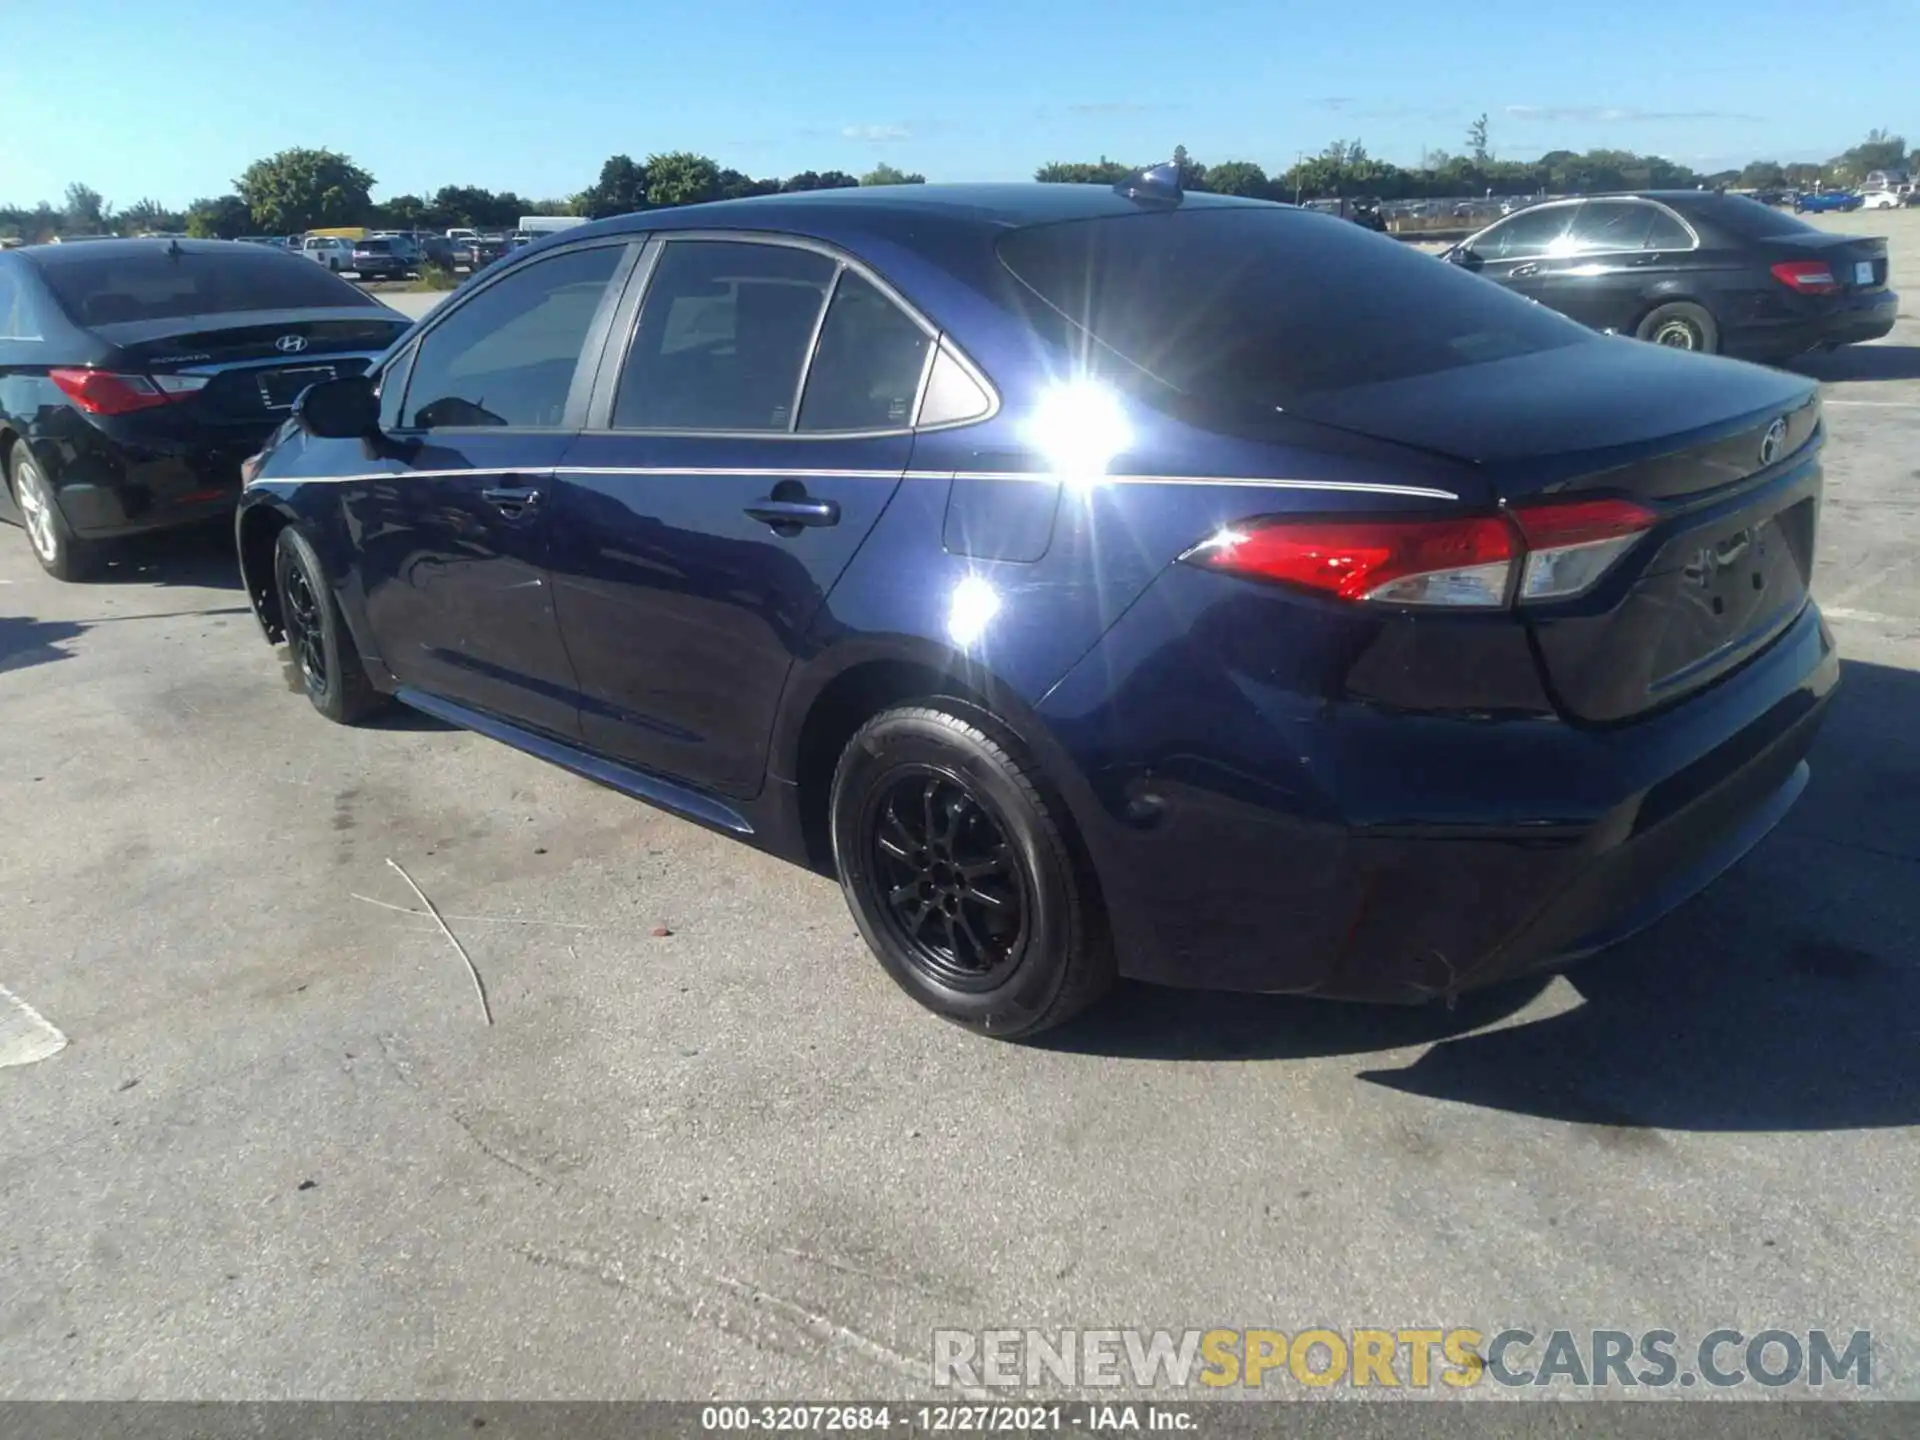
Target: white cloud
<point x="877" y="133"/>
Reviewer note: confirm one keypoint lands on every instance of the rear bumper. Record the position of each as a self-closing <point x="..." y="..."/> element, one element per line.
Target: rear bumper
<point x="106" y="490"/>
<point x="1853" y="319"/>
<point x="1396" y="857"/>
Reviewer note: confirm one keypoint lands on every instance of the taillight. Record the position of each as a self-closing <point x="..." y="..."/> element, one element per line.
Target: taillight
<point x="1570" y="546"/>
<point x="1809" y="277"/>
<point x="1398" y="562"/>
<point x="1534" y="553"/>
<point x="102" y="392"/>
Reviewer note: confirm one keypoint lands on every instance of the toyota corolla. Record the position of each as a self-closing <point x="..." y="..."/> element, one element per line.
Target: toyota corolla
<point x="1096" y="582"/>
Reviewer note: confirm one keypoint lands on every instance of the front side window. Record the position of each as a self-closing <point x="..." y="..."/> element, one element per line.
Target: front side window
<point x="723" y="337"/>
<point x="1527" y="234"/>
<point x="866" y="369"/>
<point x="508" y="355"/>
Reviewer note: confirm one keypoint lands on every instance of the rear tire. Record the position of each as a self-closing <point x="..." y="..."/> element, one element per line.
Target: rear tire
<point x="317" y="635"/>
<point x="61" y="553"/>
<point x="1681" y="325"/>
<point x="955" y="860"/>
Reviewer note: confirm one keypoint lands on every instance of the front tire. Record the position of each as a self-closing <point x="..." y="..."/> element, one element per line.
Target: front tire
<point x="1681" y="326"/>
<point x="322" y="647"/>
<point x="955" y="860"/>
<point x="61" y="553"/>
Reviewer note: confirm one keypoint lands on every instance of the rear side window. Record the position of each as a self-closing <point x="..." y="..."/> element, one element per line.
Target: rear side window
<point x="13" y="324"/>
<point x="1261" y="303"/>
<point x="866" y="369"/>
<point x="1604" y="225"/>
<point x="508" y="355"/>
<point x="152" y="284"/>
<point x="723" y="336"/>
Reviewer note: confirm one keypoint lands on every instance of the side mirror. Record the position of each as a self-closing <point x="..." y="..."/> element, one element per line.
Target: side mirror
<point x="342" y="409"/>
<point x="1463" y="257"/>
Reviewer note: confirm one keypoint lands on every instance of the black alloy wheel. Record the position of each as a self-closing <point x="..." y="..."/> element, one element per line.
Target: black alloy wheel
<point x="959" y="863"/>
<point x="321" y="645"/>
<point x="954" y="896"/>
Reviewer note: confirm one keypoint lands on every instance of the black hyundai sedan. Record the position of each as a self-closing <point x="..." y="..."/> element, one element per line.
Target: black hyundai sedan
<point x="1692" y="269"/>
<point x="135" y="375"/>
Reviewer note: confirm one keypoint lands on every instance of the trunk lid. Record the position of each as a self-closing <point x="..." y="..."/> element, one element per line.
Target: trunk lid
<point x="1845" y="253"/>
<point x="255" y="362"/>
<point x="1726" y="454"/>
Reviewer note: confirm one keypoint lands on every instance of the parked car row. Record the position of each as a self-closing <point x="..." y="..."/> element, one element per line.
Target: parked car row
<point x="1144" y="614"/>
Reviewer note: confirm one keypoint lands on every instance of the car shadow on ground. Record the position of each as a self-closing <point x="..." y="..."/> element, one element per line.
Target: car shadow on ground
<point x="202" y="556"/>
<point x="25" y="641"/>
<point x="1786" y="997"/>
<point x="1860" y="362"/>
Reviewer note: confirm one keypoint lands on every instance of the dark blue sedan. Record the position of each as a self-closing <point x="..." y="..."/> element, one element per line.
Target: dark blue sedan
<point x="1095" y="581"/>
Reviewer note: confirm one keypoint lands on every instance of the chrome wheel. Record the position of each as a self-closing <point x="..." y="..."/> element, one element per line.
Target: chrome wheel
<point x="36" y="508"/>
<point x="1677" y="335"/>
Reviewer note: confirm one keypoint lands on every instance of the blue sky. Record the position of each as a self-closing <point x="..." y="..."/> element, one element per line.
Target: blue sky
<point x="169" y="100"/>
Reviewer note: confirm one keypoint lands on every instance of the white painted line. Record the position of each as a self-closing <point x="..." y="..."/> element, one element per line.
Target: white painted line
<point x="1865" y="617"/>
<point x="1874" y="404"/>
<point x="25" y="1035"/>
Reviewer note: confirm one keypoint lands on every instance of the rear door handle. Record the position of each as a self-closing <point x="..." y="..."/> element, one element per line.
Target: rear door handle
<point x="790" y="515"/>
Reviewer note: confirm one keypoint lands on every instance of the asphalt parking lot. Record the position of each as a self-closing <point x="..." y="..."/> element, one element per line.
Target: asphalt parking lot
<point x="284" y="1156"/>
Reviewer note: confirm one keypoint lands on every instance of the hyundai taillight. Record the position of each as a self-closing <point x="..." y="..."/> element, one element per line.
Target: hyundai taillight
<point x="1528" y="554"/>
<point x="103" y="392"/>
<point x="1809" y="277"/>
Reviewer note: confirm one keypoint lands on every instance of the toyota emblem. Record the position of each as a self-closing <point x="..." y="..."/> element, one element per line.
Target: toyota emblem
<point x="1773" y="442"/>
<point x="294" y="344"/>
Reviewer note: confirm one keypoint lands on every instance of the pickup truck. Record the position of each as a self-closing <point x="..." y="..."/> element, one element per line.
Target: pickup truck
<point x="330" y="250"/>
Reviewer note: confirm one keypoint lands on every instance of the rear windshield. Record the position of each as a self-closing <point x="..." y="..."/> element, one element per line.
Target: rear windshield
<point x="154" y="285"/>
<point x="1746" y="217"/>
<point x="375" y="247"/>
<point x="1259" y="303"/>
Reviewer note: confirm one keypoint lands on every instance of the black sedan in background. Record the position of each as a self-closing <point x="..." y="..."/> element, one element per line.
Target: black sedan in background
<point x="1692" y="269"/>
<point x="135" y="375"/>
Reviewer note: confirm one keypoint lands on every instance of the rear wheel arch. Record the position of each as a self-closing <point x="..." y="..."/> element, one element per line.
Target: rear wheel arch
<point x="259" y="531"/>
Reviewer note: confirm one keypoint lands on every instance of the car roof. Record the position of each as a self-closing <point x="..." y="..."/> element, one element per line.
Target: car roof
<point x="52" y="256"/>
<point x="877" y="209"/>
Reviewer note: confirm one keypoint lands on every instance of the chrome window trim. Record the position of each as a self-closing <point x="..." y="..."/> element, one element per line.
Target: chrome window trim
<point x="937" y="338"/>
<point x="1693" y="235"/>
<point x="775" y="472"/>
<point x="813" y="348"/>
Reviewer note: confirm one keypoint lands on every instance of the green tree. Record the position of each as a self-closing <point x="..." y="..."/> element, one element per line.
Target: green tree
<point x="620" y="190"/>
<point x="819" y="180"/>
<point x="1079" y="172"/>
<point x="404" y="212"/>
<point x="681" y="177"/>
<point x="1239" y="177"/>
<point x="1762" y="174"/>
<point x="220" y="218"/>
<point x="1881" y="150"/>
<point x="146" y="214"/>
<point x="86" y="212"/>
<point x="478" y="209"/>
<point x="885" y="174"/>
<point x="734" y="185"/>
<point x="300" y="189"/>
<point x="1477" y="141"/>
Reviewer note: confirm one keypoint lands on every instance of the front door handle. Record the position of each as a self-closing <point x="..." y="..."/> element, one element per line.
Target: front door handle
<point x="1528" y="269"/>
<point x="789" y="515"/>
<point x="511" y="500"/>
